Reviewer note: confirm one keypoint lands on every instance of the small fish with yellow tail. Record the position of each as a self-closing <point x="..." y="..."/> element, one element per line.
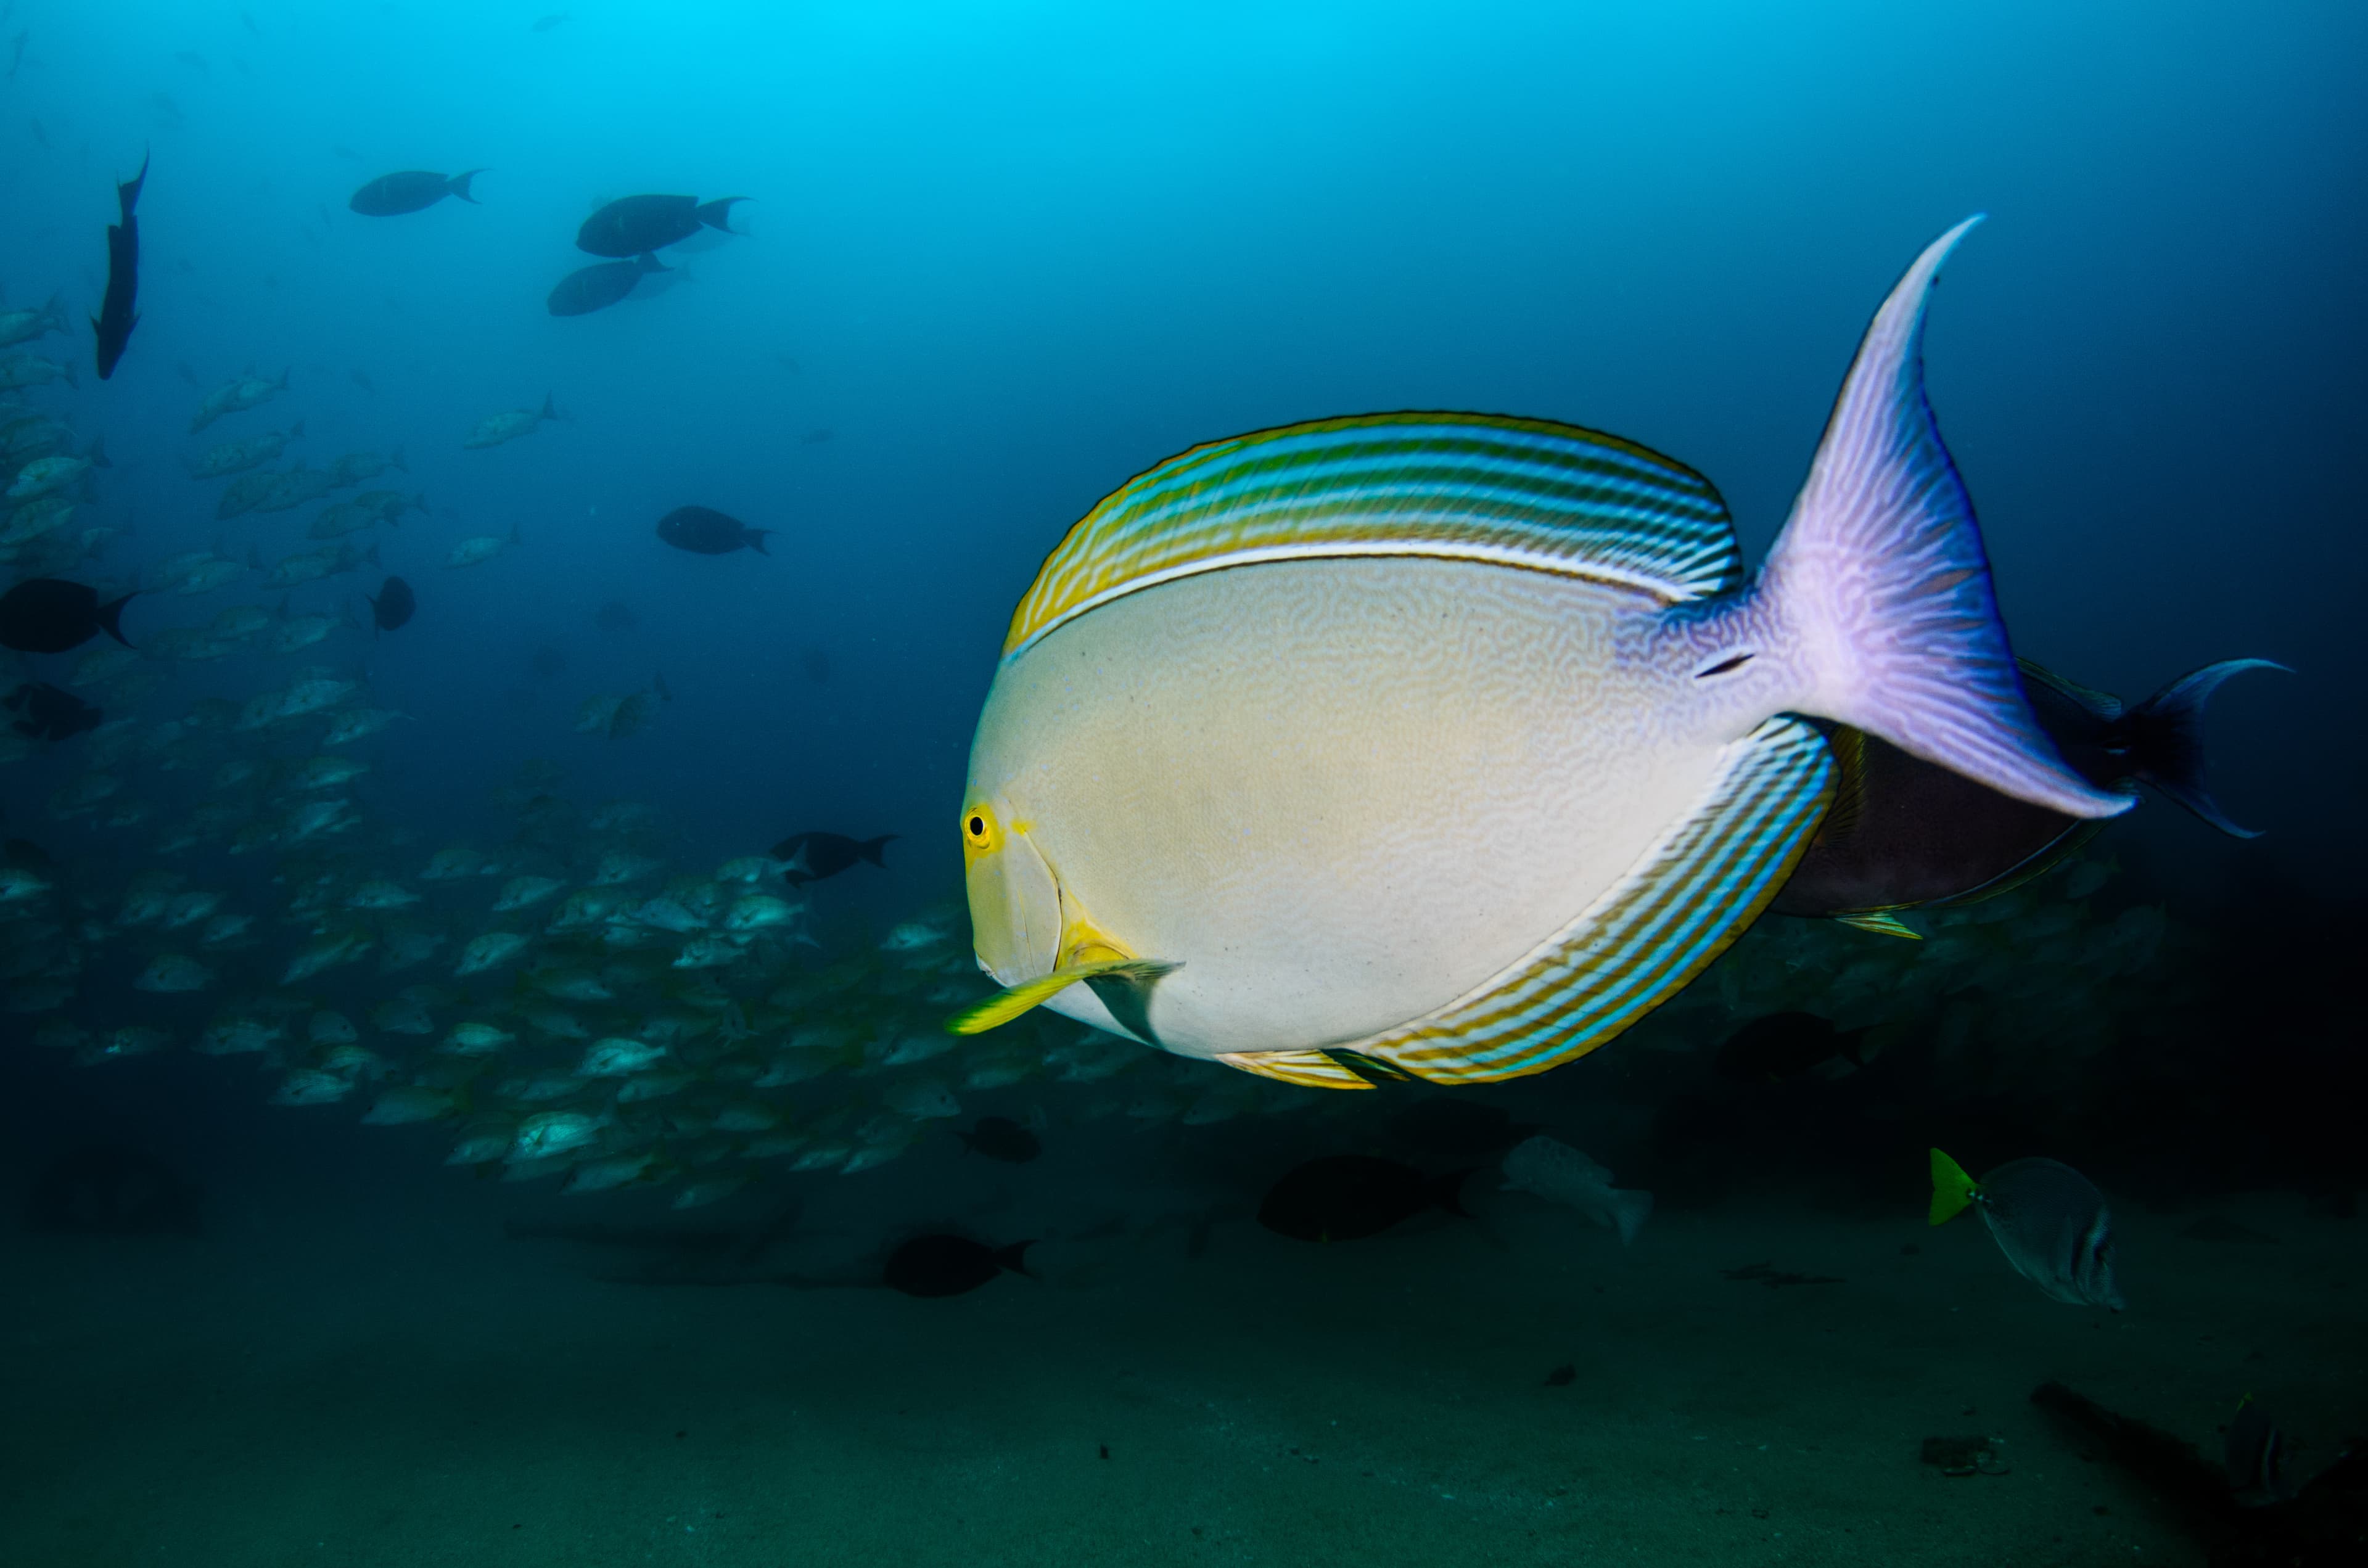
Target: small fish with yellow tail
<point x="1448" y="745"/>
<point x="2049" y="1220"/>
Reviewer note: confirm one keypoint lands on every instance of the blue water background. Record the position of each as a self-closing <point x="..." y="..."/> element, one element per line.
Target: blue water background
<point x="1017" y="252"/>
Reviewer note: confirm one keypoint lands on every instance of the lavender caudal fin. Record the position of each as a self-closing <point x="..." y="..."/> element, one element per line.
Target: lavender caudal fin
<point x="2163" y="739"/>
<point x="1882" y="589"/>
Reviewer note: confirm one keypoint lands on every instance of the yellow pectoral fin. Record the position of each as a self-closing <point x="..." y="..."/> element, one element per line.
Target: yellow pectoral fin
<point x="1883" y="922"/>
<point x="1953" y="1189"/>
<point x="1013" y="1000"/>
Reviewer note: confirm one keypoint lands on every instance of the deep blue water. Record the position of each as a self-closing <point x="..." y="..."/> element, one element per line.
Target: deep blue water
<point x="1018" y="254"/>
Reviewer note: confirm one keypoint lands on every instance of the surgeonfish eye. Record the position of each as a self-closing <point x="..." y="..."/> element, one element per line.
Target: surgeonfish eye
<point x="981" y="833"/>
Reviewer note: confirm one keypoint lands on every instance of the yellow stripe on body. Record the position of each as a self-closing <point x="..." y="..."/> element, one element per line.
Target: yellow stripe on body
<point x="1647" y="939"/>
<point x="1308" y="1069"/>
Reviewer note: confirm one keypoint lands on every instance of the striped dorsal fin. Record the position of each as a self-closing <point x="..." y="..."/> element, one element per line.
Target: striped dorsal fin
<point x="1689" y="896"/>
<point x="1527" y="492"/>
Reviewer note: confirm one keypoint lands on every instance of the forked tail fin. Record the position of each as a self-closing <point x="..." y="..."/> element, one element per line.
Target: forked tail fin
<point x="2163" y="739"/>
<point x="1881" y="588"/>
<point x="110" y="616"/>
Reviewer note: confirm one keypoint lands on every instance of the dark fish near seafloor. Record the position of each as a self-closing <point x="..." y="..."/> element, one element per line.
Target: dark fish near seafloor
<point x="50" y="615"/>
<point x="119" y="310"/>
<point x="636" y="224"/>
<point x="950" y="1265"/>
<point x="1345" y="1198"/>
<point x="1000" y="1138"/>
<point x="812" y="857"/>
<point x="1904" y="834"/>
<point x="595" y="287"/>
<point x="706" y="531"/>
<point x="411" y="190"/>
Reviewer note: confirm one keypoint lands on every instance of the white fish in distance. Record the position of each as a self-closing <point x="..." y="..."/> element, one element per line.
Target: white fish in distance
<point x="510" y="424"/>
<point x="482" y="547"/>
<point x="1560" y="1174"/>
<point x="237" y="457"/>
<point x="245" y="393"/>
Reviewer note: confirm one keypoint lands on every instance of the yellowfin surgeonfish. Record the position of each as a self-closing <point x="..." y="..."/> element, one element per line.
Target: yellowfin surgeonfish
<point x="1448" y="745"/>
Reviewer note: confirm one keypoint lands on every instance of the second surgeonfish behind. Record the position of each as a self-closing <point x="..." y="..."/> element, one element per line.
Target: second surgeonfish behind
<point x="1346" y="1197"/>
<point x="595" y="287"/>
<point x="1461" y="742"/>
<point x="703" y="530"/>
<point x="950" y="1265"/>
<point x="411" y="190"/>
<point x="629" y="227"/>
<point x="2049" y="1220"/>
<point x="1906" y="834"/>
<point x="118" y="312"/>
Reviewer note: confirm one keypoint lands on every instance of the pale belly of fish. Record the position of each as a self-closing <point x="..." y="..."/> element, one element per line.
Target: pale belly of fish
<point x="1344" y="792"/>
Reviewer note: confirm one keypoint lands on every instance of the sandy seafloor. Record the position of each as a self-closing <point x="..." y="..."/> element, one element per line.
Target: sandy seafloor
<point x="356" y="1367"/>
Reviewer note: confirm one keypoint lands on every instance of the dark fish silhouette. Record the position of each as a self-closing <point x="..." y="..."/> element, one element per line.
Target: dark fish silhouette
<point x="595" y="287"/>
<point x="1344" y="1197"/>
<point x="545" y="24"/>
<point x="1785" y="1045"/>
<point x="706" y="531"/>
<point x="811" y="856"/>
<point x="50" y="615"/>
<point x="118" y="313"/>
<point x="817" y="663"/>
<point x="411" y="190"/>
<point x="948" y="1266"/>
<point x="615" y="616"/>
<point x="1000" y="1138"/>
<point x="547" y="662"/>
<point x="638" y="223"/>
<point x="1903" y="832"/>
<point x="50" y="712"/>
<point x="393" y="604"/>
